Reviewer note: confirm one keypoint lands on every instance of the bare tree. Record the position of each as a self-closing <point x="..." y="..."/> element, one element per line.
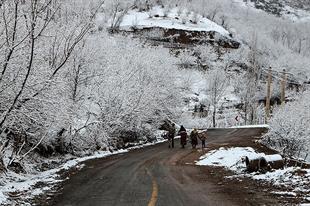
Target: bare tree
<point x="217" y="84"/>
<point x="247" y="86"/>
<point x="119" y="10"/>
<point x="213" y="13"/>
<point x="36" y="47"/>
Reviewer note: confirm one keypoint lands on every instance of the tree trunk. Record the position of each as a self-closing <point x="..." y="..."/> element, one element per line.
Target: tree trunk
<point x="245" y="113"/>
<point x="2" y="166"/>
<point x="213" y="116"/>
<point x="252" y="117"/>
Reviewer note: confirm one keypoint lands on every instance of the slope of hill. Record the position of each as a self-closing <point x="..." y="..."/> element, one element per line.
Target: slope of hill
<point x="93" y="87"/>
<point x="290" y="9"/>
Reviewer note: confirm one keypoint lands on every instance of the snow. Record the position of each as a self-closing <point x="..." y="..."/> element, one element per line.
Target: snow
<point x="232" y="159"/>
<point x="271" y="158"/>
<point x="230" y="95"/>
<point x="228" y="158"/>
<point x="253" y="126"/>
<point x="2" y="197"/>
<point x="296" y="15"/>
<point x="281" y="177"/>
<point x="282" y="193"/>
<point x="25" y="184"/>
<point x="142" y="20"/>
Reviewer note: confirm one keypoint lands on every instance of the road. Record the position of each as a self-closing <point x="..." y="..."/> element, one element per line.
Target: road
<point x="159" y="176"/>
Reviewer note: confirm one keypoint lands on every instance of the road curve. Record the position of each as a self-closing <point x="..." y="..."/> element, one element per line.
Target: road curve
<point x="150" y="176"/>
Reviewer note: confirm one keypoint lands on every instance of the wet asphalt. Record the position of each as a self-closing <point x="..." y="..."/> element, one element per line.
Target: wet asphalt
<point x="149" y="176"/>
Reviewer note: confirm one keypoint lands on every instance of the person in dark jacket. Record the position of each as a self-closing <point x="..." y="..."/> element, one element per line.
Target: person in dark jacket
<point x="171" y="134"/>
<point x="203" y="137"/>
<point x="183" y="134"/>
<point x="194" y="138"/>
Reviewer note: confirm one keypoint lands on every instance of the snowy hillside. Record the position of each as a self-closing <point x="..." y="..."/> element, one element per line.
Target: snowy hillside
<point x="101" y="76"/>
<point x="293" y="10"/>
<point x="175" y="18"/>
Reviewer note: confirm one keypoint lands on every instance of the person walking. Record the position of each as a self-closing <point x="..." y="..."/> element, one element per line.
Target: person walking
<point x="201" y="110"/>
<point x="171" y="134"/>
<point x="182" y="132"/>
<point x="203" y="137"/>
<point x="194" y="138"/>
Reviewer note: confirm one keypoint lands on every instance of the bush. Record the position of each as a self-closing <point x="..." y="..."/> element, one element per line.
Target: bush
<point x="289" y="128"/>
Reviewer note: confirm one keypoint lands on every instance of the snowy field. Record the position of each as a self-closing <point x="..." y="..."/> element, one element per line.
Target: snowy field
<point x="294" y="179"/>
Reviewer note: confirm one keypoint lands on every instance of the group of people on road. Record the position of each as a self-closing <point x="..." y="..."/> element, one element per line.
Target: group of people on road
<point x="194" y="136"/>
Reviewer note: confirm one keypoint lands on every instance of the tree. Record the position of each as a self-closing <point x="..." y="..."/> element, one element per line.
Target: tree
<point x="36" y="48"/>
<point x="289" y="128"/>
<point x="217" y="84"/>
<point x="248" y="84"/>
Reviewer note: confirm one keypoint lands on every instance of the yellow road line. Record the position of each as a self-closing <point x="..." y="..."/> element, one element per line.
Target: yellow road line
<point x="154" y="196"/>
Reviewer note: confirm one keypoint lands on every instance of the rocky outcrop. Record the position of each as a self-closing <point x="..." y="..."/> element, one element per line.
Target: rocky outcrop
<point x="184" y="38"/>
<point x="270" y="6"/>
<point x="277" y="7"/>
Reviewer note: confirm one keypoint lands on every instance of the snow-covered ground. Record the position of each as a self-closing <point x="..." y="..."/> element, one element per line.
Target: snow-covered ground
<point x="293" y="179"/>
<point x="296" y="15"/>
<point x="25" y="184"/>
<point x="253" y="126"/>
<point x="173" y="19"/>
<point x="229" y="158"/>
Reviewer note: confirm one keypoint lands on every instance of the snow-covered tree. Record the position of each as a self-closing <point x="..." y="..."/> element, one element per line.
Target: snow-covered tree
<point x="217" y="84"/>
<point x="36" y="48"/>
<point x="289" y="128"/>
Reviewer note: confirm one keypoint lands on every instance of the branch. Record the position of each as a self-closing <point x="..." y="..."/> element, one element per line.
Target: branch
<point x="11" y="50"/>
<point x="29" y="67"/>
<point x="33" y="148"/>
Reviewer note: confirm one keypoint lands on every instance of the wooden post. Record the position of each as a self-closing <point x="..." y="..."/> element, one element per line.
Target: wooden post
<point x="268" y="97"/>
<point x="283" y="87"/>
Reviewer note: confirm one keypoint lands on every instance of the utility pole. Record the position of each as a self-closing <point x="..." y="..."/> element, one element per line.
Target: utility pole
<point x="283" y="87"/>
<point x="267" y="117"/>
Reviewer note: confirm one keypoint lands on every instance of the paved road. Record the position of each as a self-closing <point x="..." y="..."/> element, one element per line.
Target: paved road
<point x="151" y="176"/>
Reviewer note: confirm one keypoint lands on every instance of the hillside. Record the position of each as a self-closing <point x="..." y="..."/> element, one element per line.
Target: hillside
<point x="290" y="9"/>
<point x="89" y="79"/>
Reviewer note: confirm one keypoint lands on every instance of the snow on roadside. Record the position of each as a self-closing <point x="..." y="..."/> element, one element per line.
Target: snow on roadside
<point x="229" y="158"/>
<point x="25" y="185"/>
<point x="288" y="12"/>
<point x="253" y="126"/>
<point x="287" y="176"/>
<point x="293" y="178"/>
<point x="285" y="193"/>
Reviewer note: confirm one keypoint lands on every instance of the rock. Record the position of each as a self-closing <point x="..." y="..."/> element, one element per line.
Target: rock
<point x="16" y="167"/>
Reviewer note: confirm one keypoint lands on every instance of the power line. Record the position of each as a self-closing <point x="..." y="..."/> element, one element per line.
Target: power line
<point x="277" y="75"/>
